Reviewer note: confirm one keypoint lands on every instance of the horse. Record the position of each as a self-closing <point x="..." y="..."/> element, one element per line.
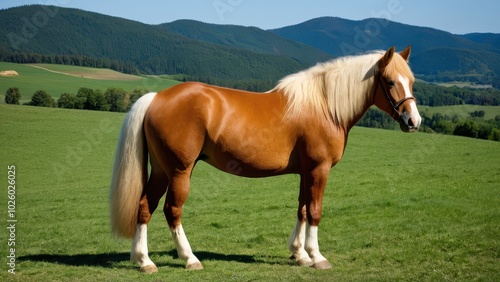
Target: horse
<point x="299" y="127"/>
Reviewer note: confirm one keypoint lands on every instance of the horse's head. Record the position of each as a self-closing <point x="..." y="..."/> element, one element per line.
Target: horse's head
<point x="393" y="89"/>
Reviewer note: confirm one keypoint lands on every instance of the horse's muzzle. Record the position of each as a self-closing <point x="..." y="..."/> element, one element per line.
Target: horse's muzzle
<point x="409" y="122"/>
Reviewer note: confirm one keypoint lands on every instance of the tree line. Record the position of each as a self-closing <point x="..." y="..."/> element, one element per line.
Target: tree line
<point x="255" y="83"/>
<point x="474" y="125"/>
<point x="71" y="60"/>
<point x="113" y="99"/>
<point x="435" y="95"/>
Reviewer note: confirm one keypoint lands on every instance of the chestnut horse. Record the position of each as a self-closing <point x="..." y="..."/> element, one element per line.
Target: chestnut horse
<point x="299" y="127"/>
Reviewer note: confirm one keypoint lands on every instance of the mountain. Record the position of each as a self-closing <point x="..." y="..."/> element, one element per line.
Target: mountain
<point x="452" y="64"/>
<point x="489" y="39"/>
<point x="248" y="38"/>
<point x="434" y="51"/>
<point x="340" y="37"/>
<point x="236" y="56"/>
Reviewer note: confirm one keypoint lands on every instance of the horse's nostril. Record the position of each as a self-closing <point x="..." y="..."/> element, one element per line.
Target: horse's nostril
<point x="411" y="122"/>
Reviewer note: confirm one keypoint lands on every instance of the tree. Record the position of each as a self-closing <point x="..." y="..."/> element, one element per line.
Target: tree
<point x="117" y="99"/>
<point x="135" y="95"/>
<point x="67" y="101"/>
<point x="484" y="131"/>
<point x="81" y="97"/>
<point x="479" y="114"/>
<point x="97" y="101"/>
<point x="89" y="99"/>
<point x="495" y="134"/>
<point x="41" y="99"/>
<point x="12" y="96"/>
<point x="467" y="128"/>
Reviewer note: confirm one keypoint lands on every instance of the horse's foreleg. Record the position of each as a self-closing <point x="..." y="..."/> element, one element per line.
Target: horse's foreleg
<point x="155" y="189"/>
<point x="314" y="184"/>
<point x="296" y="244"/>
<point x="297" y="240"/>
<point x="176" y="197"/>
<point x="184" y="249"/>
<point x="312" y="248"/>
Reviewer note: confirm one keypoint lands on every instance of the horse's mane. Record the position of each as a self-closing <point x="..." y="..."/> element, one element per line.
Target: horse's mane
<point x="338" y="89"/>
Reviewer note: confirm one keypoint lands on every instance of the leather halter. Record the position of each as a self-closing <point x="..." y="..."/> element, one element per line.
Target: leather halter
<point x="395" y="105"/>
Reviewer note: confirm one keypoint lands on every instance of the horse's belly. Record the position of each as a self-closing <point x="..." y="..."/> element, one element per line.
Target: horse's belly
<point x="250" y="160"/>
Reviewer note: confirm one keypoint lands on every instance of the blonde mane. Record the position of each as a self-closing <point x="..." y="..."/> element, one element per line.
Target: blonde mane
<point x="337" y="89"/>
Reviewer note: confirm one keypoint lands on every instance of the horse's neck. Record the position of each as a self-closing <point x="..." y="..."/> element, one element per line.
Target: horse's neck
<point x="349" y="102"/>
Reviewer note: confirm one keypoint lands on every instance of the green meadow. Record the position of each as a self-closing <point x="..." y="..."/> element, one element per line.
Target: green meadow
<point x="59" y="79"/>
<point x="462" y="111"/>
<point x="399" y="207"/>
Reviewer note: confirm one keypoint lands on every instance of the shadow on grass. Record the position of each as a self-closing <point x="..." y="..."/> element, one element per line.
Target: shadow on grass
<point x="110" y="260"/>
<point x="101" y="260"/>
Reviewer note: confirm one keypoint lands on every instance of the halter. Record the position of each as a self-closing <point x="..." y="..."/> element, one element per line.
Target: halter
<point x="395" y="105"/>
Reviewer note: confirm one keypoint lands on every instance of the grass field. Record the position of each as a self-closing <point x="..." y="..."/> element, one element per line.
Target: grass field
<point x="85" y="72"/>
<point x="68" y="79"/>
<point x="462" y="110"/>
<point x="464" y="84"/>
<point x="399" y="207"/>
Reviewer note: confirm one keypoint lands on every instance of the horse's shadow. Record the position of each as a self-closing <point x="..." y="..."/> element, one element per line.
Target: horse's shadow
<point x="110" y="260"/>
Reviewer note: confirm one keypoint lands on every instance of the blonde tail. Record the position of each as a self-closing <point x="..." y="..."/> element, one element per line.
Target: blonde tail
<point x="130" y="170"/>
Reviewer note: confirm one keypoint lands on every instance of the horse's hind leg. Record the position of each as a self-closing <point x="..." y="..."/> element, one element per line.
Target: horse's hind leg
<point x="154" y="190"/>
<point x="176" y="197"/>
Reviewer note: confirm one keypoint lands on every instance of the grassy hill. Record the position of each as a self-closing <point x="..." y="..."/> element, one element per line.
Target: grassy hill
<point x="398" y="207"/>
<point x="462" y="111"/>
<point x="59" y="79"/>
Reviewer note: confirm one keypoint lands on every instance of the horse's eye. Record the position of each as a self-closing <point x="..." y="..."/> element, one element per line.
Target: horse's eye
<point x="390" y="82"/>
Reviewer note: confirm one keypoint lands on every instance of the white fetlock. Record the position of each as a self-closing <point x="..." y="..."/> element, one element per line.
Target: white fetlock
<point x="184" y="249"/>
<point x="139" y="253"/>
<point x="296" y="244"/>
<point x="312" y="248"/>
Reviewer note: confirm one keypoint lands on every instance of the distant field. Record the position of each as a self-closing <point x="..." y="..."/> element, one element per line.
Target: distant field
<point x="60" y="79"/>
<point x="464" y="84"/>
<point x="84" y="72"/>
<point x="399" y="207"/>
<point x="461" y="110"/>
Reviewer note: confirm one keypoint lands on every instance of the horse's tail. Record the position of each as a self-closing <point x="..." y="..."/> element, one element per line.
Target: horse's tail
<point x="130" y="170"/>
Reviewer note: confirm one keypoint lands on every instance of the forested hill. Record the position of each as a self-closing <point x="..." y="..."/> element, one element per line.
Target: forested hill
<point x="31" y="32"/>
<point x="248" y="38"/>
<point x="436" y="55"/>
<point x="236" y="56"/>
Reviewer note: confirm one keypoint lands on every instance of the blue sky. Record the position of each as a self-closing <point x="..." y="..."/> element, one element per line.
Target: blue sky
<point x="455" y="16"/>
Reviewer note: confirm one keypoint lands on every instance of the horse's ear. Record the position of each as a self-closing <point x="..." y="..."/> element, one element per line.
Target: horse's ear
<point x="386" y="59"/>
<point x="406" y="53"/>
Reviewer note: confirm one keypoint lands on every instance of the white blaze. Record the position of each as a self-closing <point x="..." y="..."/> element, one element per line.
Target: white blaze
<point x="413" y="106"/>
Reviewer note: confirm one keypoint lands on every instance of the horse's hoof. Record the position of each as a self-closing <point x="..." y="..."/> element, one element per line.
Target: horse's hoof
<point x="195" y="266"/>
<point x="304" y="262"/>
<point x="148" y="269"/>
<point x="322" y="265"/>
